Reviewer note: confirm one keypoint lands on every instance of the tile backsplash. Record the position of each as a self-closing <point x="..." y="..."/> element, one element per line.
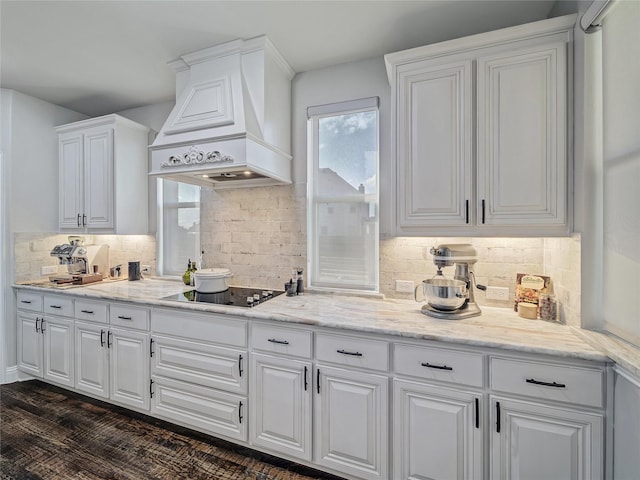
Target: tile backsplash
<point x="32" y="251"/>
<point x="260" y="234"/>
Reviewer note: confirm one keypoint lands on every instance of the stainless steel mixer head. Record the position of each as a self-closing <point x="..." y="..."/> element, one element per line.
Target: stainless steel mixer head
<point x="448" y="254"/>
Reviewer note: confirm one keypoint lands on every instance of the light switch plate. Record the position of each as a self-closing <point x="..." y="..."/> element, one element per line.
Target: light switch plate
<point x="404" y="286"/>
<point x="497" y="293"/>
<point x="49" y="270"/>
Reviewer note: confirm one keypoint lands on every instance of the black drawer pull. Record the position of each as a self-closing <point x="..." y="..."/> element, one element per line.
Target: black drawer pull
<point x="305" y="378"/>
<point x="55" y="306"/>
<point x="102" y="332"/>
<point x="90" y="312"/>
<point x="318" y="380"/>
<point x="498" y="417"/>
<point x="240" y="413"/>
<point x="37" y="320"/>
<point x="25" y="301"/>
<point x="477" y="405"/>
<point x="151" y="382"/>
<point x="546" y="384"/>
<point x="123" y="317"/>
<point x="240" y="365"/>
<point x="109" y="342"/>
<point x="280" y="342"/>
<point x="345" y="352"/>
<point x="439" y="367"/>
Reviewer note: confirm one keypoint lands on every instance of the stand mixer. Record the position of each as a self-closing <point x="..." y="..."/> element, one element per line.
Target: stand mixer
<point x="452" y="299"/>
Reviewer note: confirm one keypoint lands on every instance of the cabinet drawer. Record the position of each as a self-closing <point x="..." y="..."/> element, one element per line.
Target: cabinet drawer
<point x="29" y="301"/>
<point x="55" y="305"/>
<point x="225" y="330"/>
<point x="439" y="364"/>
<point x="200" y="363"/>
<point x="287" y="341"/>
<point x="128" y="316"/>
<point x="548" y="381"/>
<point x="91" y="311"/>
<point x="353" y="351"/>
<point x="204" y="409"/>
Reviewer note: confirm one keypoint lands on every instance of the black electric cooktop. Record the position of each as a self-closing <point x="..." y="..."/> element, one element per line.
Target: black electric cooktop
<point x="234" y="296"/>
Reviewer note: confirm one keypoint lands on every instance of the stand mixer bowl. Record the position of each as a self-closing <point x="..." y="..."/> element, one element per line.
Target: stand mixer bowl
<point x="441" y="293"/>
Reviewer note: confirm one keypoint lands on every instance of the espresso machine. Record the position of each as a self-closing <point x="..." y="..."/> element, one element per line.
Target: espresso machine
<point x="447" y="298"/>
<point x="85" y="263"/>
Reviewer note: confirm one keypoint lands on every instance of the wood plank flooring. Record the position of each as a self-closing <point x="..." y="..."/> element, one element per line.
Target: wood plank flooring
<point x="50" y="433"/>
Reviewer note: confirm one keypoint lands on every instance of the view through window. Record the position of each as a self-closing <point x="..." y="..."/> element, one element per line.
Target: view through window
<point x="343" y="195"/>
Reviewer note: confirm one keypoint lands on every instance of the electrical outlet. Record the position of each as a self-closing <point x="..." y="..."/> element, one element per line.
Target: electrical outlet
<point x="404" y="286"/>
<point x="497" y="293"/>
<point x="51" y="269"/>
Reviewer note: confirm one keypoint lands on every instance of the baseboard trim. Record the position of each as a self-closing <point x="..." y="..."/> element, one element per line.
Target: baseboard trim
<point x="11" y="375"/>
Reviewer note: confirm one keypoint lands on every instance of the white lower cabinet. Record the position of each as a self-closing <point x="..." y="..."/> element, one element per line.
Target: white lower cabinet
<point x="437" y="432"/>
<point x="45" y="342"/>
<point x="537" y="441"/>
<point x="113" y="364"/>
<point x="351" y="418"/>
<point x="198" y="373"/>
<point x="281" y="405"/>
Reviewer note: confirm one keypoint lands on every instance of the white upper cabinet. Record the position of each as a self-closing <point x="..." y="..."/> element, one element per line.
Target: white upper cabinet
<point x="480" y="134"/>
<point x="103" y="176"/>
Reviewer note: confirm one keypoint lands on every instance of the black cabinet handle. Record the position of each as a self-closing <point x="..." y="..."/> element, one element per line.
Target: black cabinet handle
<point x="498" y="417"/>
<point x="281" y="342"/>
<point x="25" y="301"/>
<point x="240" y="413"/>
<point x="151" y="348"/>
<point x="42" y="325"/>
<point x="305" y="378"/>
<point x="240" y="365"/>
<point x="151" y="388"/>
<point x="57" y="307"/>
<point x="477" y="402"/>
<point x="345" y="352"/>
<point x="84" y="220"/>
<point x="102" y="338"/>
<point x="483" y="210"/>
<point x="78" y="219"/>
<point x="90" y="312"/>
<point x="318" y="380"/>
<point x="466" y="212"/>
<point x="37" y="320"/>
<point x="109" y="342"/>
<point x="439" y="367"/>
<point x="546" y="384"/>
<point x="123" y="317"/>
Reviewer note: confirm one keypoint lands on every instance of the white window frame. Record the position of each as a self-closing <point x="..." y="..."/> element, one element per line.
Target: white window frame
<point x="160" y="243"/>
<point x="314" y="114"/>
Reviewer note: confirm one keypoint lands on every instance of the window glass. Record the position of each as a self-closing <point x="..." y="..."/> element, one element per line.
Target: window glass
<point x="343" y="199"/>
<point x="180" y="226"/>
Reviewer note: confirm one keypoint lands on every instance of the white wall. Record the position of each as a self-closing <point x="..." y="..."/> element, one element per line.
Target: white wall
<point x="29" y="147"/>
<point x="621" y="169"/>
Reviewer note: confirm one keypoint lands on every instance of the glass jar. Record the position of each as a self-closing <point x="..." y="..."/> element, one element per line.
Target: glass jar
<point x="548" y="307"/>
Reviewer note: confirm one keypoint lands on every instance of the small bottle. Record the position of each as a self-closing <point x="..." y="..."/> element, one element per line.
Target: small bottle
<point x="192" y="278"/>
<point x="299" y="283"/>
<point x="186" y="276"/>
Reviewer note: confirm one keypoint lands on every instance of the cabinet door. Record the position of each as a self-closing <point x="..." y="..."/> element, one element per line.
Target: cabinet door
<point x="58" y="350"/>
<point x="71" y="203"/>
<point x="522" y="148"/>
<point x="92" y="359"/>
<point x="535" y="441"/>
<point x="30" y="343"/>
<point x="437" y="433"/>
<point x="99" y="179"/>
<point x="129" y="368"/>
<point x="434" y="144"/>
<point x="350" y="428"/>
<point x="281" y="405"/>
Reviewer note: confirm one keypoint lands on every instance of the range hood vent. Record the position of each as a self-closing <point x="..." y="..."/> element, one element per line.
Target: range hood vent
<point x="231" y="125"/>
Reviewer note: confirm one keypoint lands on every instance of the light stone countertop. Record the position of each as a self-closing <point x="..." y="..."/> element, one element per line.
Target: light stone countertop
<point x="495" y="328"/>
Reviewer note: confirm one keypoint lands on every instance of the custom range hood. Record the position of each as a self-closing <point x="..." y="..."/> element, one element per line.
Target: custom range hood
<point x="231" y="126"/>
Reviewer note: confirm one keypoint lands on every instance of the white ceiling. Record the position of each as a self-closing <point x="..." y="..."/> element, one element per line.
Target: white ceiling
<point x="99" y="57"/>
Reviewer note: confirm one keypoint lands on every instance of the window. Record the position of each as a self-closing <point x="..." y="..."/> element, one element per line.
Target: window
<point x="179" y="226"/>
<point x="342" y="196"/>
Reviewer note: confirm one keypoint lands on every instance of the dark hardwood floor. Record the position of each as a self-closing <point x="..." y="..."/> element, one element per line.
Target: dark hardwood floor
<point x="50" y="433"/>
